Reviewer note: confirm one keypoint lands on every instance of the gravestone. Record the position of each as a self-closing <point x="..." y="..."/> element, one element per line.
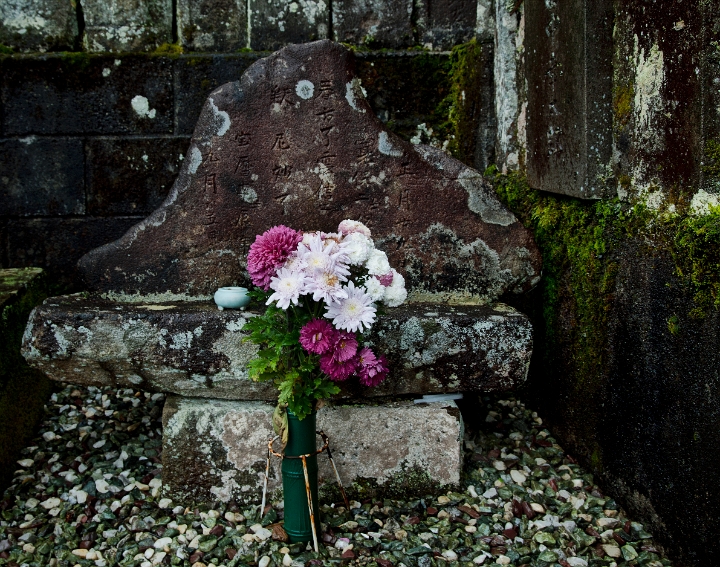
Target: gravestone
<point x="294" y="142"/>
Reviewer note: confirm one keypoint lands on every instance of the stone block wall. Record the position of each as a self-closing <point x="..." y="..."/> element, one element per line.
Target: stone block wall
<point x="232" y="25"/>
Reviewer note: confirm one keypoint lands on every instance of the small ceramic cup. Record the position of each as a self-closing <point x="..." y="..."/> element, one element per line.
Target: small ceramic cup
<point x="232" y="298"/>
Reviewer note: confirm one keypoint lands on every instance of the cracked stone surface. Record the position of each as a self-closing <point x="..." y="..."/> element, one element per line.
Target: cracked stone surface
<point x="295" y="142"/>
<point x="229" y="460"/>
<point x="193" y="349"/>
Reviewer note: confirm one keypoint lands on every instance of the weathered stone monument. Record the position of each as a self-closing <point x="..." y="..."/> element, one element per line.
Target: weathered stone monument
<point x="294" y="142"/>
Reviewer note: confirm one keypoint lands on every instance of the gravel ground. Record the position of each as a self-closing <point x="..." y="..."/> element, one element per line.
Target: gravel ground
<point x="88" y="493"/>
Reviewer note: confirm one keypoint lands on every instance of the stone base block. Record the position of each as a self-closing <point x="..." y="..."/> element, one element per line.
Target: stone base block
<point x="216" y="449"/>
<point x="191" y="349"/>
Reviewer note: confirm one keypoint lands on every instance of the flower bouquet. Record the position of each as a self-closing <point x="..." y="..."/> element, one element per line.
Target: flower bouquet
<point x="323" y="291"/>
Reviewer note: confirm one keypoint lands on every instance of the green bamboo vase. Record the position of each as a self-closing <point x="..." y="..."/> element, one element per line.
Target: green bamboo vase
<point x="301" y="441"/>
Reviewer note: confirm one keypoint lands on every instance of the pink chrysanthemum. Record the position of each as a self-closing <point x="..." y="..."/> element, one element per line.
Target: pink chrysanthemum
<point x="318" y="336"/>
<point x="337" y="371"/>
<point x="345" y="347"/>
<point x="349" y="226"/>
<point x="371" y="369"/>
<point x="269" y="252"/>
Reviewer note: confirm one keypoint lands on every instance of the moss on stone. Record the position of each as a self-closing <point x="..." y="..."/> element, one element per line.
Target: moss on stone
<point x="455" y="113"/>
<point x="711" y="164"/>
<point x="623" y="96"/>
<point x="169" y="49"/>
<point x="5" y="50"/>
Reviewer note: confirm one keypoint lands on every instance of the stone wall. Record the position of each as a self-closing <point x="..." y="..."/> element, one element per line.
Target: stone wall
<point x="622" y="117"/>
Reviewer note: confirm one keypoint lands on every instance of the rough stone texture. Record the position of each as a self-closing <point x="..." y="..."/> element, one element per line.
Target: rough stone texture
<point x="212" y="25"/>
<point x="396" y="447"/>
<point x="569" y="129"/>
<point x="198" y="75"/>
<point x="263" y="155"/>
<point x="666" y="100"/>
<point x="38" y="25"/>
<point x="507" y="29"/>
<point x="131" y="176"/>
<point x="375" y="23"/>
<point x="86" y="94"/>
<point x="59" y="243"/>
<point x="445" y="23"/>
<point x="40" y="176"/>
<point x="194" y="349"/>
<point x="127" y="25"/>
<point x="276" y="23"/>
<point x="23" y="391"/>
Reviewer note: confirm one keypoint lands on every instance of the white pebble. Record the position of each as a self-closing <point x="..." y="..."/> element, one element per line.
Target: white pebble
<point x="157" y="483"/>
<point x="149" y="552"/>
<point x="159" y="556"/>
<point x="102" y="486"/>
<point x="51" y="503"/>
<point x="537" y="508"/>
<point x="490" y="493"/>
<point x="499" y="465"/>
<point x="287" y="560"/>
<point x="82" y="553"/>
<point x="261" y="533"/>
<point x="502" y="560"/>
<point x="92" y="555"/>
<point x="612" y="550"/>
<point x="450" y="555"/>
<point x="162" y="542"/>
<point x="442" y="500"/>
<point x="31" y="503"/>
<point x="25" y="463"/>
<point x="470" y="529"/>
<point x="576" y="562"/>
<point x="49" y="436"/>
<point x="472" y="492"/>
<point x="480" y="559"/>
<point x="165" y="503"/>
<point x="518" y="477"/>
<point x="264" y="561"/>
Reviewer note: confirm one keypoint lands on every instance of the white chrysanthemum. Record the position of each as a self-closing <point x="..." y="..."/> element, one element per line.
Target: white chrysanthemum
<point x="351" y="226"/>
<point x="288" y="286"/>
<point x="377" y="263"/>
<point x="326" y="286"/>
<point x="354" y="312"/>
<point x="395" y="293"/>
<point x="374" y="288"/>
<point x="322" y="256"/>
<point x="358" y="247"/>
<point x="295" y="263"/>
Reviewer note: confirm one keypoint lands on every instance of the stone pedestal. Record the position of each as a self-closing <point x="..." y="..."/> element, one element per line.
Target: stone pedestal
<point x="217" y="450"/>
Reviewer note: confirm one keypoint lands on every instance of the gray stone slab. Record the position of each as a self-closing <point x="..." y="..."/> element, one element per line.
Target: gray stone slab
<point x="193" y="349"/>
<point x="569" y="68"/>
<point x="392" y="448"/>
<point x="375" y="23"/>
<point x="38" y="25"/>
<point x="79" y="93"/>
<point x="127" y="25"/>
<point x="41" y="176"/>
<point x="276" y="23"/>
<point x="212" y="25"/>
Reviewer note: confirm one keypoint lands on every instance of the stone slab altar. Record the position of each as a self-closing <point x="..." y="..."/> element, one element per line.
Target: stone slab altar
<point x="191" y="348"/>
<point x="294" y="142"/>
<point x="216" y="450"/>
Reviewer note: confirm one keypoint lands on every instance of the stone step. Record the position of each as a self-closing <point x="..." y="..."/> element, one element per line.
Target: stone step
<point x="217" y="449"/>
<point x="190" y="348"/>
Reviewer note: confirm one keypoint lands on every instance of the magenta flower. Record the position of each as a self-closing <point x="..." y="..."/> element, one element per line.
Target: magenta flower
<point x="386" y="279"/>
<point x="371" y="369"/>
<point x="337" y="371"/>
<point x="269" y="252"/>
<point x="318" y="336"/>
<point x="346" y="346"/>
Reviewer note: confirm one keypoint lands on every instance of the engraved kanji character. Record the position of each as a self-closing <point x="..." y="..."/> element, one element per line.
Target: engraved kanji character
<point x="280" y="142"/>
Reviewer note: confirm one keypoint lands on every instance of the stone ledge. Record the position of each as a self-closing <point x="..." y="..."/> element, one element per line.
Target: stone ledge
<point x="191" y="348"/>
<point x="216" y="450"/>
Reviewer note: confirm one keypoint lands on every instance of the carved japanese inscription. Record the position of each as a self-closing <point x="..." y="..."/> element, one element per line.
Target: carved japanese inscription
<point x="294" y="142"/>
